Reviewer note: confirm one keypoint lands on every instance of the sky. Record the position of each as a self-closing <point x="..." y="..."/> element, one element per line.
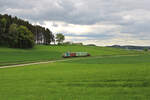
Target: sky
<point x="100" y="22"/>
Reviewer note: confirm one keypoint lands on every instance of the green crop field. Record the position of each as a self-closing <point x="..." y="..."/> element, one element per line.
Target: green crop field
<point x="111" y="74"/>
<point x="109" y="78"/>
<point x="10" y="56"/>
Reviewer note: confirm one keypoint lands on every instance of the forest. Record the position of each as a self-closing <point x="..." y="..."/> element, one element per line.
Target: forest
<point x="18" y="33"/>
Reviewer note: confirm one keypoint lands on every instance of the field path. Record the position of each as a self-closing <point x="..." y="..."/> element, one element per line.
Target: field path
<point x="35" y="63"/>
<point x="67" y="59"/>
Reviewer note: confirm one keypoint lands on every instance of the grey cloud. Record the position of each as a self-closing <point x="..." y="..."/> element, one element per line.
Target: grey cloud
<point x="76" y="12"/>
<point x="131" y="15"/>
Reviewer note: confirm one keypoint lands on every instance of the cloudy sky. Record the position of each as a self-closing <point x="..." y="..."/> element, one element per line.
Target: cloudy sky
<point x="101" y="22"/>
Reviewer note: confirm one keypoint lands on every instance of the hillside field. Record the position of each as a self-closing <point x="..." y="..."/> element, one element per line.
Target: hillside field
<point x="108" y="78"/>
<point x="10" y="56"/>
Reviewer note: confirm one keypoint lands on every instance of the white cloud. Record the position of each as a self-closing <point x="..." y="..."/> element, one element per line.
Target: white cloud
<point x="80" y="29"/>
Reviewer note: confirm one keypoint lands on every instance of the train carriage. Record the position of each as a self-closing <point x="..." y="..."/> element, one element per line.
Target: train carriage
<point x="75" y="54"/>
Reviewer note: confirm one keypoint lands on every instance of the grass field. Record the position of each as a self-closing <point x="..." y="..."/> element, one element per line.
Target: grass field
<point x="10" y="56"/>
<point x="108" y="78"/>
<point x="110" y="74"/>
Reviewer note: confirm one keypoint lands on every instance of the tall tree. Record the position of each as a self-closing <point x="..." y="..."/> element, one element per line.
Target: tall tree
<point x="60" y="38"/>
<point x="25" y="37"/>
<point x="48" y="36"/>
<point x="13" y="36"/>
<point x="53" y="38"/>
<point x="3" y="35"/>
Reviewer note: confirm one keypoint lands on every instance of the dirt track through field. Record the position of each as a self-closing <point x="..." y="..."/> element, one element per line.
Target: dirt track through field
<point x="67" y="59"/>
<point x="44" y="62"/>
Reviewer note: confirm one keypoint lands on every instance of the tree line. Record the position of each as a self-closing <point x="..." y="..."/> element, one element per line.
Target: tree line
<point x="18" y="33"/>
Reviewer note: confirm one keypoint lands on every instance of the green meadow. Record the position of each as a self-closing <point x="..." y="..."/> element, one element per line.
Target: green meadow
<point x="9" y="56"/>
<point x="109" y="78"/>
<point x="110" y="74"/>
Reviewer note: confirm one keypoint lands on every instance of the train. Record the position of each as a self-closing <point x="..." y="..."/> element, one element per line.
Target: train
<point x="75" y="54"/>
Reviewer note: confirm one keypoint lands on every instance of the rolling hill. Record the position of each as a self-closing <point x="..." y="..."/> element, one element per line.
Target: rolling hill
<point x="9" y="56"/>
